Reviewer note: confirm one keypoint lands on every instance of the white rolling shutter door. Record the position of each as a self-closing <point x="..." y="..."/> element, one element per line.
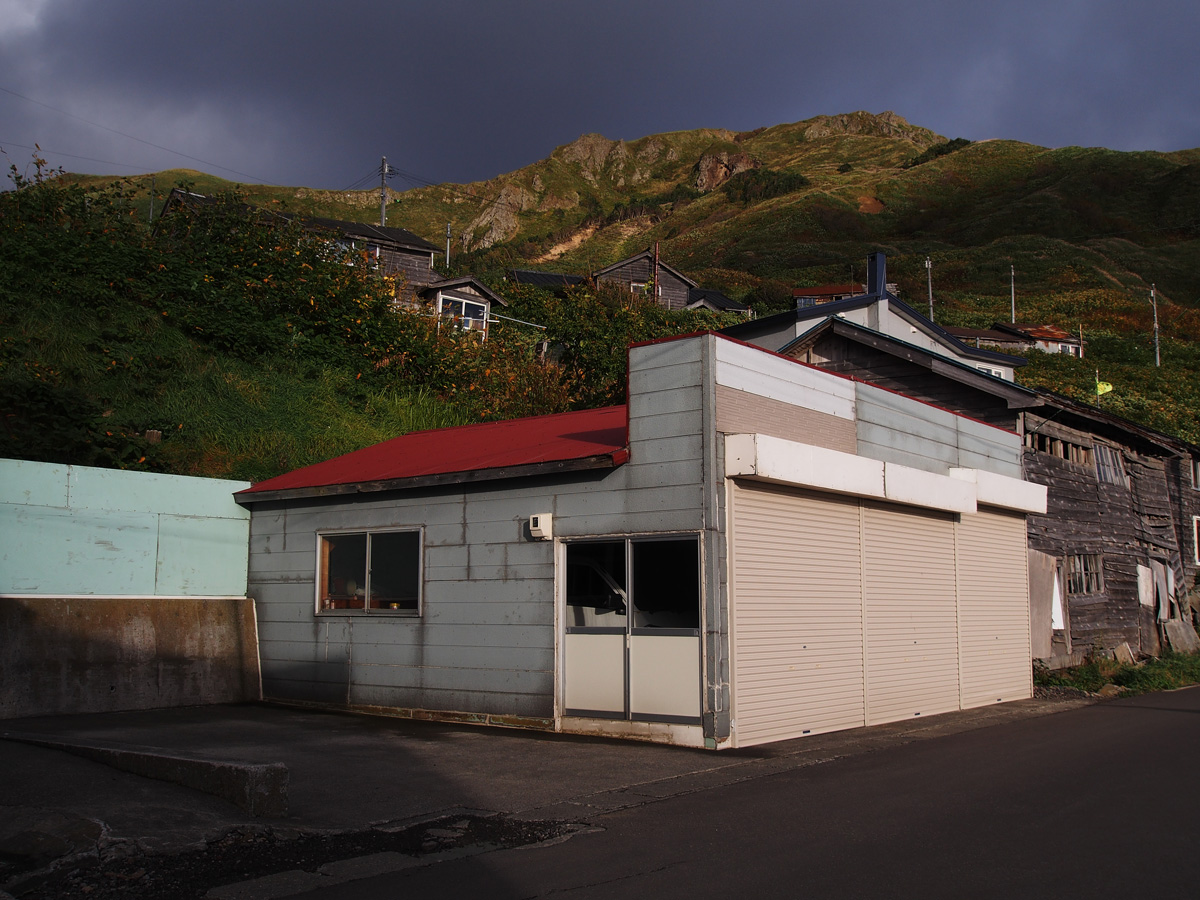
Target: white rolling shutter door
<point x="912" y="633"/>
<point x="848" y="612"/>
<point x="993" y="608"/>
<point x="797" y="613"/>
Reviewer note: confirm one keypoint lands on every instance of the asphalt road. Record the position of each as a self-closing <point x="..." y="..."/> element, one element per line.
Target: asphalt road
<point x="1093" y="802"/>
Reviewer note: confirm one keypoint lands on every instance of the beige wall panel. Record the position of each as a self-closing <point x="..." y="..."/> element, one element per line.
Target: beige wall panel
<point x="741" y="412"/>
<point x="664" y="675"/>
<point x="797" y="611"/>
<point x="911" y="621"/>
<point x="993" y="588"/>
<point x="594" y="679"/>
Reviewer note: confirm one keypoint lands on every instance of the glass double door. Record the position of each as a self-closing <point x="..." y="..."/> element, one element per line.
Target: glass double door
<point x="632" y="631"/>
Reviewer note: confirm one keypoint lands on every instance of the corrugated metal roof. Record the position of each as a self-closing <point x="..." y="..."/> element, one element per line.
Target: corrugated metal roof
<point x="716" y="298"/>
<point x="467" y="449"/>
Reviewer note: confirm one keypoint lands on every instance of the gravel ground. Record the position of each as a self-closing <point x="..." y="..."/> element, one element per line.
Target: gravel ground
<point x="247" y="854"/>
<point x="1058" y="692"/>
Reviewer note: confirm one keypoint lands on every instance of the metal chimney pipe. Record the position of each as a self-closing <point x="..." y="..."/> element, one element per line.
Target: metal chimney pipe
<point x="876" y="273"/>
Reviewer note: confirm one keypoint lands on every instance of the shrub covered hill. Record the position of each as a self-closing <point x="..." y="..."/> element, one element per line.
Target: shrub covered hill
<point x="111" y="331"/>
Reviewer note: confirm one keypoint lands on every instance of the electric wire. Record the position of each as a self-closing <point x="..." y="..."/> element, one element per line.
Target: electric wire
<point x="135" y="138"/>
<point x="106" y="162"/>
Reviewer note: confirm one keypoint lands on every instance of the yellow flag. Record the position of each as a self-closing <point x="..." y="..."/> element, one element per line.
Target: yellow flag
<point x="1102" y="387"/>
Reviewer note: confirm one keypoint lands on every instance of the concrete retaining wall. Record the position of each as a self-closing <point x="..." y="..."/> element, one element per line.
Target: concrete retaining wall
<point x="103" y="654"/>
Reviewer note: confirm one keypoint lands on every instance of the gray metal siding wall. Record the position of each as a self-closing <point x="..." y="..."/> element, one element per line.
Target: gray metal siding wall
<point x="900" y="430"/>
<point x="485" y="642"/>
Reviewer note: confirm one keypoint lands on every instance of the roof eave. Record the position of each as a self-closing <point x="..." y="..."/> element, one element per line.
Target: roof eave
<point x="553" y="467"/>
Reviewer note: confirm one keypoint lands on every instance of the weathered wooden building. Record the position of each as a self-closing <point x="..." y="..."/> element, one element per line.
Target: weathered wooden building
<point x="752" y="549"/>
<point x="1114" y="559"/>
<point x="637" y="274"/>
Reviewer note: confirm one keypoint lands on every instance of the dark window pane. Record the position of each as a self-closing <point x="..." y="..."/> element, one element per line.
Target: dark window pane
<point x="666" y="584"/>
<point x="344" y="575"/>
<point x="395" y="570"/>
<point x="596" y="590"/>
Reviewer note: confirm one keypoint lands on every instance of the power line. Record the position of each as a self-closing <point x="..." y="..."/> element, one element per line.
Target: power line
<point x="135" y="138"/>
<point x="106" y="162"/>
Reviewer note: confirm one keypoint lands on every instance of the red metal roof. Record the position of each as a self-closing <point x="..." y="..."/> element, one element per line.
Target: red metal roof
<point x="564" y="437"/>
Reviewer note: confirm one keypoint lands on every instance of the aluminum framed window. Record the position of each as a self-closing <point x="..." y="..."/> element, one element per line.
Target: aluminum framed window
<point x="375" y="572"/>
<point x="656" y="578"/>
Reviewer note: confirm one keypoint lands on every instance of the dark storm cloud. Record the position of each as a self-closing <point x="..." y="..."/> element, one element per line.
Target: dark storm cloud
<point x="313" y="93"/>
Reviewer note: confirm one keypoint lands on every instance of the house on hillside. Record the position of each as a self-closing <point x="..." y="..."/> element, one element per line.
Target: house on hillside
<point x="634" y="570"/>
<point x="878" y="310"/>
<point x="1114" y="559"/>
<point x="637" y="274"/>
<point x="397" y="253"/>
<point x="826" y="293"/>
<point x="645" y="273"/>
<point x="1020" y="337"/>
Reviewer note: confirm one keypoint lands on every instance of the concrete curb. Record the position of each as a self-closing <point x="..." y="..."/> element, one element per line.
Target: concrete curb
<point x="261" y="789"/>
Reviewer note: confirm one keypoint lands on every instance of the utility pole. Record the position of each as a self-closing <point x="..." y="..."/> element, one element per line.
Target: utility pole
<point x="1154" y="304"/>
<point x="655" y="295"/>
<point x="447" y="245"/>
<point x="1012" y="283"/>
<point x="929" y="277"/>
<point x="383" y="193"/>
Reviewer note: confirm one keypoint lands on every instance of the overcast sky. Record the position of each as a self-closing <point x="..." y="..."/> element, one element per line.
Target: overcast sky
<point x="314" y="93"/>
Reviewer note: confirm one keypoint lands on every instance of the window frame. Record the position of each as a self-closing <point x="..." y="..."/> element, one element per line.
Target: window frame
<point x="320" y="574"/>
<point x="1060" y="448"/>
<point x="629" y="624"/>
<point x="1196" y="539"/>
<point x="1084" y="574"/>
<point x="1110" y="465"/>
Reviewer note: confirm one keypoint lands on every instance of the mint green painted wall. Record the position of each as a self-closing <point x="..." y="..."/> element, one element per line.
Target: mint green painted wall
<point x="68" y="530"/>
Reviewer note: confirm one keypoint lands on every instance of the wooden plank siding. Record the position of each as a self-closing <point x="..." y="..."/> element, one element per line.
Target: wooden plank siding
<point x="673" y="292"/>
<point x="414" y="266"/>
<point x="1127" y="524"/>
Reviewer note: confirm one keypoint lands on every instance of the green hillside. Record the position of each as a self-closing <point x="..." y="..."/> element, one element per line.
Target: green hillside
<point x="1086" y="230"/>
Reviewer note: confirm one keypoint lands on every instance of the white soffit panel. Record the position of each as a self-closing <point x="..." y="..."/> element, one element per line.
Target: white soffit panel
<point x="772" y="459"/>
<point x="902" y="484"/>
<point x="992" y="489"/>
<point x="751" y="370"/>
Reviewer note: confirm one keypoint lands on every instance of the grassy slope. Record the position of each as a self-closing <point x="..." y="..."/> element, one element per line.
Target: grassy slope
<point x="1088" y="231"/>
